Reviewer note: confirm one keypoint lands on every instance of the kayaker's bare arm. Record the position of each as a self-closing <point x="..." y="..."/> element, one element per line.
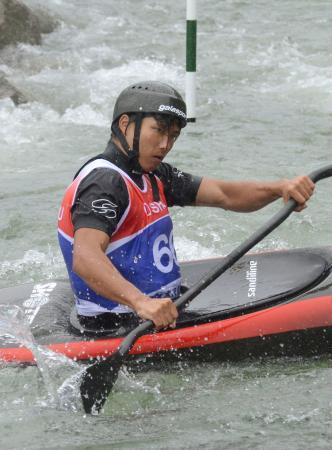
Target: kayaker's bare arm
<point x="93" y="266"/>
<point x="246" y="196"/>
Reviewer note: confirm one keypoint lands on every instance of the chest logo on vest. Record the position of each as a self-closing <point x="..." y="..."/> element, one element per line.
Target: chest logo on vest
<point x="154" y="208"/>
<point x="105" y="207"/>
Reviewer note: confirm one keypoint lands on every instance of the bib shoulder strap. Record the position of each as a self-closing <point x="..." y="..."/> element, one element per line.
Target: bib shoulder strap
<point x="101" y="156"/>
<point x="155" y="189"/>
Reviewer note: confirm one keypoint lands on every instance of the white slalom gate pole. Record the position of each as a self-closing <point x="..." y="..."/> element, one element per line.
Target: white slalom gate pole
<point x="191" y="43"/>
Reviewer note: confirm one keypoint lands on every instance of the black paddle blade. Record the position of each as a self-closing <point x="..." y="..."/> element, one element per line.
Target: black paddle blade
<point x="97" y="382"/>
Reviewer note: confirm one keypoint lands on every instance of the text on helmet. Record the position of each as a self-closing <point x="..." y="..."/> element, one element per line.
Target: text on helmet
<point x="172" y="109"/>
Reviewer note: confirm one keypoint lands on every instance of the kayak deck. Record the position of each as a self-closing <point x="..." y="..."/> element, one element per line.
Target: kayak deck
<point x="266" y="301"/>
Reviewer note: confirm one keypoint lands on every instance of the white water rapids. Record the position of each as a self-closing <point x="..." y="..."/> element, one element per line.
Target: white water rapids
<point x="264" y="111"/>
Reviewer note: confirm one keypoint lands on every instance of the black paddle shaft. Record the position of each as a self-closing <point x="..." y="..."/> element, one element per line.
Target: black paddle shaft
<point x="99" y="378"/>
<point x="227" y="262"/>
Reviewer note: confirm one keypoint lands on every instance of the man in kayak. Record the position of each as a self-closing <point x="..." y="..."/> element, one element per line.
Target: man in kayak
<point x="114" y="227"/>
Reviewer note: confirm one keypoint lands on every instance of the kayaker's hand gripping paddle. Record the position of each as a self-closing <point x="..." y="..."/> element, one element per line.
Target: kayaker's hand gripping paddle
<point x="98" y="379"/>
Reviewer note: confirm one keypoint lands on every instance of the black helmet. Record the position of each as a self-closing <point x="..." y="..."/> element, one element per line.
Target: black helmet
<point x="149" y="97"/>
<point x="143" y="99"/>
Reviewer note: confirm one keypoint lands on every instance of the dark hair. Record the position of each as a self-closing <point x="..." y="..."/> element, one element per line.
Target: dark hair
<point x="165" y="121"/>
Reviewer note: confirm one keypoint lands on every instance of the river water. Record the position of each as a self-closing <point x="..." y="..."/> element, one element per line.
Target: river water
<point x="264" y="111"/>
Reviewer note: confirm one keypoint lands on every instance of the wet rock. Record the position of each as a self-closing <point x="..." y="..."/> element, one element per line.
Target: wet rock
<point x="19" y="24"/>
<point x="7" y="90"/>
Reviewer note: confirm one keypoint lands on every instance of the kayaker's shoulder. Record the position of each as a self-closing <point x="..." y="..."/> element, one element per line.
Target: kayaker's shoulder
<point x="166" y="171"/>
<point x="102" y="183"/>
<point x="103" y="176"/>
<point x="180" y="187"/>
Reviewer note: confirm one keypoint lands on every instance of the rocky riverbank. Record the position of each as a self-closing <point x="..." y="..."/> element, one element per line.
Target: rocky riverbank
<point x="18" y="23"/>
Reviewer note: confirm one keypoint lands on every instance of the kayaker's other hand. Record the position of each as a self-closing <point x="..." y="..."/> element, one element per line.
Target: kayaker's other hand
<point x="161" y="311"/>
<point x="300" y="189"/>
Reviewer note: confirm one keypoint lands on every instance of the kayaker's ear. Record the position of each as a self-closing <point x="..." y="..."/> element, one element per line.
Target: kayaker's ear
<point x="123" y="123"/>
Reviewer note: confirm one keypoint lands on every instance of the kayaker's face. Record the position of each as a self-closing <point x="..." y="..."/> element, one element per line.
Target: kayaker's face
<point x="156" y="140"/>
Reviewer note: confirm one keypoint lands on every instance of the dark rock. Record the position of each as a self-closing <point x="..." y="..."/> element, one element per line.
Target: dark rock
<point x="19" y="24"/>
<point x="7" y="90"/>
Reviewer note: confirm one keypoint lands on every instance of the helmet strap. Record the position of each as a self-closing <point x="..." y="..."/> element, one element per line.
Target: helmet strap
<point x="137" y="132"/>
<point x="132" y="153"/>
<point x="123" y="141"/>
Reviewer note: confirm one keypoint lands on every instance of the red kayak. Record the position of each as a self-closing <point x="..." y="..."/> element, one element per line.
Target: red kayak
<point x="267" y="304"/>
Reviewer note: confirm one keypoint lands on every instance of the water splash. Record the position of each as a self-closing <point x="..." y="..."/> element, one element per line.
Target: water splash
<point x="14" y="328"/>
